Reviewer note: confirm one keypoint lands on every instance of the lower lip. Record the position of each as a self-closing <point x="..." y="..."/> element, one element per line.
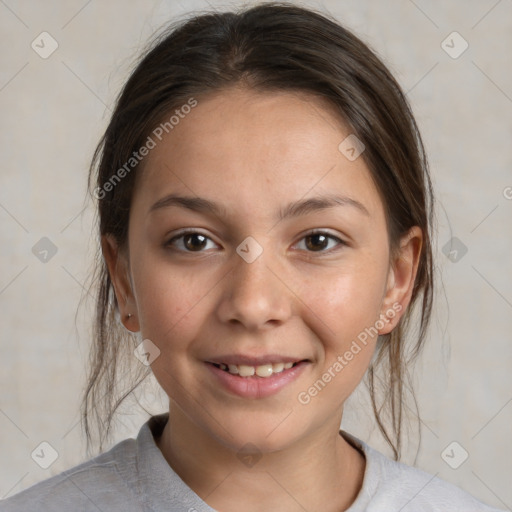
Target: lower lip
<point x="257" y="387"/>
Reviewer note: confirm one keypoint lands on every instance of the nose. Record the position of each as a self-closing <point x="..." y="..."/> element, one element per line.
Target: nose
<point x="253" y="295"/>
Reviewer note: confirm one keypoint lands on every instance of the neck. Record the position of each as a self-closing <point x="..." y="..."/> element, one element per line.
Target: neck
<point x="320" y="468"/>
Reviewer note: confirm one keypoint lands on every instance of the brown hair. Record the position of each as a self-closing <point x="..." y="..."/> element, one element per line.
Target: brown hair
<point x="268" y="47"/>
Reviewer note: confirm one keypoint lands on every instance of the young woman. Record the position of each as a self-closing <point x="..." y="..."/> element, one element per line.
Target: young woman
<point x="265" y="218"/>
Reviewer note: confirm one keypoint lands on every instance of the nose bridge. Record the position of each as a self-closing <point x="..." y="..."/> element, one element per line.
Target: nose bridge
<point x="254" y="295"/>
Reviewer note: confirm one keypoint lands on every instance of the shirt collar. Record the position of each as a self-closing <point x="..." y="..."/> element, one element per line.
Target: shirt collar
<point x="164" y="488"/>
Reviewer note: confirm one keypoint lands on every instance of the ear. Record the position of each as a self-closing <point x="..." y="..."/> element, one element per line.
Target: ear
<point x="401" y="278"/>
<point x="119" y="271"/>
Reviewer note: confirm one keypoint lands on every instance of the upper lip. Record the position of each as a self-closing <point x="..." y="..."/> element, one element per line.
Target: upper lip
<point x="254" y="360"/>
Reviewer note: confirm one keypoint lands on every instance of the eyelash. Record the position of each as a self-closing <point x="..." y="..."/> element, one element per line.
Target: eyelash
<point x="182" y="234"/>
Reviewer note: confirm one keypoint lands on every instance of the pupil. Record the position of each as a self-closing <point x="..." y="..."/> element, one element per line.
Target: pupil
<point x="316" y="237"/>
<point x="193" y="246"/>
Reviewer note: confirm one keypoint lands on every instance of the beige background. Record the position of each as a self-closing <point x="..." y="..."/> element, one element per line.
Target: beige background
<point x="53" y="113"/>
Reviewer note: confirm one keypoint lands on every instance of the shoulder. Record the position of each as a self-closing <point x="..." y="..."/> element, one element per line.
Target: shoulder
<point x="391" y="485"/>
<point x="101" y="483"/>
<point x="416" y="490"/>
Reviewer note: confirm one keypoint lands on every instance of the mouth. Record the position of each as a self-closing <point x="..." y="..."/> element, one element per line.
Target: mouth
<point x="263" y="370"/>
<point x="255" y="378"/>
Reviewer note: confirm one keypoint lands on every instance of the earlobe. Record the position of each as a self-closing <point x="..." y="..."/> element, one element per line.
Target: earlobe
<point x="402" y="275"/>
<point x="118" y="269"/>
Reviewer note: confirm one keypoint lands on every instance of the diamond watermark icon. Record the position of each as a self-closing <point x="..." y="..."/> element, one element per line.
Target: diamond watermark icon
<point x="249" y="455"/>
<point x="44" y="250"/>
<point x="454" y="249"/>
<point x="454" y="455"/>
<point x="454" y="45"/>
<point x="351" y="147"/>
<point x="44" y="455"/>
<point x="249" y="249"/>
<point x="44" y="45"/>
<point x="146" y="352"/>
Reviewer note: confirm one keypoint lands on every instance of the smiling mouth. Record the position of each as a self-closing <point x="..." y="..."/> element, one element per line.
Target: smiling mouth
<point x="264" y="370"/>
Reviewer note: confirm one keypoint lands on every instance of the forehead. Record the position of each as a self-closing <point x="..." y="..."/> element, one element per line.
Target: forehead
<point x="253" y="148"/>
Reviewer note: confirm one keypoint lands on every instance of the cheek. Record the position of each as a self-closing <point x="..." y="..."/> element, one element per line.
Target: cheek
<point x="169" y="302"/>
<point x="348" y="301"/>
<point x="342" y="312"/>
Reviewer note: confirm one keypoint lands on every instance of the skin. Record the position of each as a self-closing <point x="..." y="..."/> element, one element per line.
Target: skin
<point x="253" y="153"/>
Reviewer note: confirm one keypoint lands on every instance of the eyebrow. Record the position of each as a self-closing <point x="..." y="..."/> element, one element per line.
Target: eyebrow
<point x="295" y="209"/>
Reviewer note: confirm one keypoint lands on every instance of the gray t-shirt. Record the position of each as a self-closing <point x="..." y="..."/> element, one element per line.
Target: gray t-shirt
<point x="133" y="476"/>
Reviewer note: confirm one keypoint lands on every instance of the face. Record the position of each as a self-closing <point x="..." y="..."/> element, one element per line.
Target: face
<point x="285" y="261"/>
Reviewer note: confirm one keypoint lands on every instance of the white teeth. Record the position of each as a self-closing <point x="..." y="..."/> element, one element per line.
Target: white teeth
<point x="264" y="370"/>
<point x="246" y="371"/>
<point x="277" y="368"/>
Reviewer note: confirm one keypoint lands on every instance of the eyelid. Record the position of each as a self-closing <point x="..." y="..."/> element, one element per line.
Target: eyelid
<point x="187" y="231"/>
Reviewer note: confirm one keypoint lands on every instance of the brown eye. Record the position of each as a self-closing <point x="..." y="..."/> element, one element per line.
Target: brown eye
<point x="316" y="242"/>
<point x="320" y="242"/>
<point x="194" y="241"/>
<point x="189" y="242"/>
